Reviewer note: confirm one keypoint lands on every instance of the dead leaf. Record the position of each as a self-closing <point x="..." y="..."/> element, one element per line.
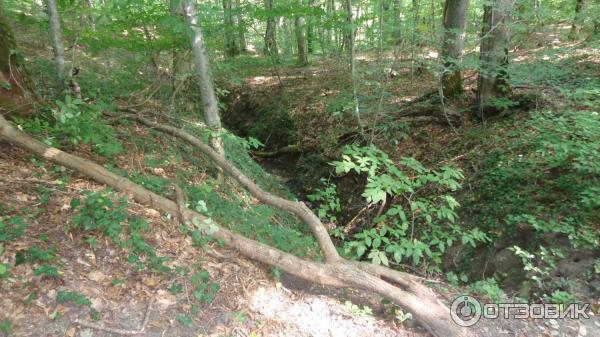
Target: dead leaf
<point x="149" y="282"/>
<point x="96" y="276"/>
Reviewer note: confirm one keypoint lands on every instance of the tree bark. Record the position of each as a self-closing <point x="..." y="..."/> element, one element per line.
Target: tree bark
<point x="231" y="45"/>
<point x="577" y="20"/>
<point x="16" y="88"/>
<point x="410" y="294"/>
<point x="493" y="73"/>
<point x="455" y="22"/>
<point x="300" y="39"/>
<point x="397" y="30"/>
<point x="271" y="33"/>
<point x="207" y="90"/>
<point x="310" y="28"/>
<point x="352" y="50"/>
<point x="56" y="35"/>
<point x="241" y="28"/>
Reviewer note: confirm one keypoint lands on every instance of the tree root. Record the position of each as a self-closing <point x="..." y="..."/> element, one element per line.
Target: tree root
<point x="413" y="296"/>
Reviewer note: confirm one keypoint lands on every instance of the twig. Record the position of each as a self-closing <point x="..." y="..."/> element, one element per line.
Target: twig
<point x="348" y="227"/>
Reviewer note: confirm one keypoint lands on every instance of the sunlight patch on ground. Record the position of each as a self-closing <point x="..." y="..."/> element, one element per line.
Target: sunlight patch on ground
<point x="317" y="316"/>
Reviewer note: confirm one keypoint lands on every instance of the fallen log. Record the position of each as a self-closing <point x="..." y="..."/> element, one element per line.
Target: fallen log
<point x="288" y="149"/>
<point x="411" y="295"/>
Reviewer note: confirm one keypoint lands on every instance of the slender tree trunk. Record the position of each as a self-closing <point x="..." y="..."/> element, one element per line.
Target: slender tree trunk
<point x="328" y="34"/>
<point x="207" y="91"/>
<point x="57" y="45"/>
<point x="241" y="25"/>
<point x="493" y="73"/>
<point x="352" y="50"/>
<point x="455" y="22"/>
<point x="310" y="28"/>
<point x="576" y="26"/>
<point x="271" y="33"/>
<point x="300" y="39"/>
<point x="380" y="28"/>
<point x="397" y="30"/>
<point x="231" y="45"/>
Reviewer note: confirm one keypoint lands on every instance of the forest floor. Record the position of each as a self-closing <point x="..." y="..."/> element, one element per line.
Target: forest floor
<point x="96" y="292"/>
<point x="249" y="301"/>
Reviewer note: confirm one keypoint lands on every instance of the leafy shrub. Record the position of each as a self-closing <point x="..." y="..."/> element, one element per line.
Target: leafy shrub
<point x="421" y="221"/>
<point x="74" y="122"/>
<point x="328" y="201"/>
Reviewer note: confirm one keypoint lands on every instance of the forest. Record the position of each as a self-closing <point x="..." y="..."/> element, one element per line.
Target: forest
<point x="254" y="168"/>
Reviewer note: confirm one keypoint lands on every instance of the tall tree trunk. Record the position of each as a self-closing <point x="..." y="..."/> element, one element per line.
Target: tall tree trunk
<point x="455" y="22"/>
<point x="577" y="20"/>
<point x="300" y="39"/>
<point x="310" y="27"/>
<point x="231" y="45"/>
<point x="271" y="33"/>
<point x="16" y="88"/>
<point x="55" y="34"/>
<point x="241" y="28"/>
<point x="352" y="49"/>
<point x="329" y="9"/>
<point x="493" y="73"/>
<point x="397" y="30"/>
<point x="207" y="91"/>
<point x="380" y="28"/>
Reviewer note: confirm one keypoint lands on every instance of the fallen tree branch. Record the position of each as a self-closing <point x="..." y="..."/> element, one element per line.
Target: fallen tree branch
<point x="411" y="295"/>
<point x="294" y="207"/>
<point x="288" y="149"/>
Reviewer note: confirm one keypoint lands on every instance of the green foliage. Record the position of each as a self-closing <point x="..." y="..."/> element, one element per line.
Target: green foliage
<point x="204" y="290"/>
<point x="490" y="289"/>
<point x="72" y="297"/>
<point x="254" y="221"/>
<point x="46" y="270"/>
<point x="184" y="319"/>
<point x="421" y="221"/>
<point x="73" y="122"/>
<point x="11" y="227"/>
<point x="539" y="188"/>
<point x="356" y="310"/>
<point x="34" y="254"/>
<point x="454" y="279"/>
<point x="102" y="212"/>
<point x="560" y="297"/>
<point x="4" y="268"/>
<point x="327" y="200"/>
<point x="99" y="212"/>
<point x="539" y="267"/>
<point x="6" y="326"/>
<point x="558" y="152"/>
